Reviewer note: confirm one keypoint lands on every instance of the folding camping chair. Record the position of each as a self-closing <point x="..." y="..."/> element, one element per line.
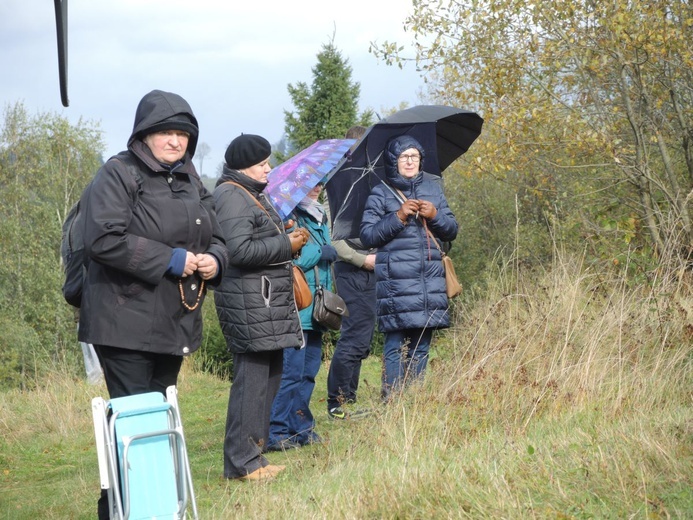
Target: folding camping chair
<point x="143" y="460"/>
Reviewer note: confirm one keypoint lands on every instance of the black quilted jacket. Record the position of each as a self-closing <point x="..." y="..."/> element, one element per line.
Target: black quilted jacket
<point x="255" y="301"/>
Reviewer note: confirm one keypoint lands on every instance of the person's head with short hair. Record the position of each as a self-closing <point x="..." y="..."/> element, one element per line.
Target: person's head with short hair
<point x="355" y="132"/>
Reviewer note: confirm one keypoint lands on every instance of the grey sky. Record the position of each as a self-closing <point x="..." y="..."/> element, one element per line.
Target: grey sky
<point x="231" y="62"/>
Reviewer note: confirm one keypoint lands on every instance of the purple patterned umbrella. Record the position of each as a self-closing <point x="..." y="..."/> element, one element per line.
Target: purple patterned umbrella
<point x="289" y="182"/>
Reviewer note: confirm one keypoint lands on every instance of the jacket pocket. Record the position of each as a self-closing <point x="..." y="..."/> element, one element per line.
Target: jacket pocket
<point x="124" y="287"/>
<point x="266" y="290"/>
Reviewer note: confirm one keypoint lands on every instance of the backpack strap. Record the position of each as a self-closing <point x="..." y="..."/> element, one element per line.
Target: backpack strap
<point x="133" y="169"/>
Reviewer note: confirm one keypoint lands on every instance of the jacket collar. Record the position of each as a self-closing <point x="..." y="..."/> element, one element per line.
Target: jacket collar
<point x="253" y="186"/>
<point x="405" y="184"/>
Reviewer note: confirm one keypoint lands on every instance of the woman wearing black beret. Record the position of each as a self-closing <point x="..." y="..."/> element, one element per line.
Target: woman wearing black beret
<point x="255" y="303"/>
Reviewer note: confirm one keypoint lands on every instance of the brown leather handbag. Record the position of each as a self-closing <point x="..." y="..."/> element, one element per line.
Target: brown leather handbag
<point x="302" y="293"/>
<point x="453" y="287"/>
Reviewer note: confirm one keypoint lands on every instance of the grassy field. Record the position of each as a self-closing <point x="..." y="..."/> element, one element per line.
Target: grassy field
<point x="560" y="396"/>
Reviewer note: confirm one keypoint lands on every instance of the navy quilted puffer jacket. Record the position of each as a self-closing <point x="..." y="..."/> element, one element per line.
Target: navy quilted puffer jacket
<point x="410" y="281"/>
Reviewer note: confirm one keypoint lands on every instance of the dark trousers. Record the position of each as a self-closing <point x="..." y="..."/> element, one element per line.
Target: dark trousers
<point x="131" y="372"/>
<point x="357" y="287"/>
<point x="256" y="378"/>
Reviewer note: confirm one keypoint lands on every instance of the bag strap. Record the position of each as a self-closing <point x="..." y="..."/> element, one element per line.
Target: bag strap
<point x="254" y="199"/>
<point x="317" y="277"/>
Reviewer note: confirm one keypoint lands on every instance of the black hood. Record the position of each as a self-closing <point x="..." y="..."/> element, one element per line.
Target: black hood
<point x="158" y="106"/>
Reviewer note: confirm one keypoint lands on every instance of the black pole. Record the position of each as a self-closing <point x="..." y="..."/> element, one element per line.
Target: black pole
<point x="61" y="29"/>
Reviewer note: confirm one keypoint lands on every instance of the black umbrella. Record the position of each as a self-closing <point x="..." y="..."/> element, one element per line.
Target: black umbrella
<point x="444" y="132"/>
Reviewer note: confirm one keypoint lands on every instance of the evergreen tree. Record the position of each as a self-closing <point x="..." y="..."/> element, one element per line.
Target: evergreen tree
<point x="329" y="107"/>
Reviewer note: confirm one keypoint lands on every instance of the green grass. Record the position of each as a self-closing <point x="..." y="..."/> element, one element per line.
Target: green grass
<point x="561" y="396"/>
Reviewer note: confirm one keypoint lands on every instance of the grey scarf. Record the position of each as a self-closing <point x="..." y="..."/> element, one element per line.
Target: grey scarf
<point x="313" y="208"/>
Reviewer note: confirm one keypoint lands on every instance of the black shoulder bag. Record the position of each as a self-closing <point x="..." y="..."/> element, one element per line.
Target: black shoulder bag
<point x="328" y="307"/>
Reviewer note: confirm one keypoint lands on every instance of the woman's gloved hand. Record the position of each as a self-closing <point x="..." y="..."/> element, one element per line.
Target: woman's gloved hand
<point x="427" y="209"/>
<point x="409" y="207"/>
<point x="328" y="253"/>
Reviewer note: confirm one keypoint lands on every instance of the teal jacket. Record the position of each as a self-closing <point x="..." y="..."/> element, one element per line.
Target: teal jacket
<point x="309" y="258"/>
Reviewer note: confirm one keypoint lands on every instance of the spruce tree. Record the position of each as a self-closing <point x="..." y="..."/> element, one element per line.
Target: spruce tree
<point x="327" y="108"/>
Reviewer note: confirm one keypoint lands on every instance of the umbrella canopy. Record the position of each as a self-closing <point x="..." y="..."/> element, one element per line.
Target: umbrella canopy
<point x="445" y="133"/>
<point x="291" y="181"/>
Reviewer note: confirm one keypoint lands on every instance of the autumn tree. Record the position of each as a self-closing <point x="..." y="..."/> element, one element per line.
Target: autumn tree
<point x="327" y="108"/>
<point x="201" y="153"/>
<point x="588" y="106"/>
<point x="45" y="162"/>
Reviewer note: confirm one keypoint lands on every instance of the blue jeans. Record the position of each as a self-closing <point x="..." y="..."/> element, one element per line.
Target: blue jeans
<point x="405" y="354"/>
<point x="291" y="418"/>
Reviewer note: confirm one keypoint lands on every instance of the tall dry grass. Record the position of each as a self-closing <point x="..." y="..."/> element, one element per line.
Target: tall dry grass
<point x="572" y="337"/>
<point x="563" y="394"/>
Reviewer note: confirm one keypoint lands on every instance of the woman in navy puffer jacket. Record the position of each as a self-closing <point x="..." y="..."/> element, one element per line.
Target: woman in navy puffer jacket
<point x="410" y="280"/>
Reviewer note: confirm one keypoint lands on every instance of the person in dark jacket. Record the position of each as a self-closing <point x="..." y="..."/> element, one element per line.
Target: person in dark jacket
<point x="355" y="282"/>
<point x="402" y="217"/>
<point x="255" y="303"/>
<point x="291" y="422"/>
<point x="154" y="245"/>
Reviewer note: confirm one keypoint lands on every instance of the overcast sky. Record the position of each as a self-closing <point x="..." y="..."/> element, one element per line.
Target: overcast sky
<point x="231" y="60"/>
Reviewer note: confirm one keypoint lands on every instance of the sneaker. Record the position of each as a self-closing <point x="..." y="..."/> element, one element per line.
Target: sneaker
<point x="336" y="413"/>
<point x="360" y="412"/>
<point x="283" y="445"/>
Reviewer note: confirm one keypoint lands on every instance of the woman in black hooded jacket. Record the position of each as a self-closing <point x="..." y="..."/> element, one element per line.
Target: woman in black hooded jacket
<point x="154" y="245"/>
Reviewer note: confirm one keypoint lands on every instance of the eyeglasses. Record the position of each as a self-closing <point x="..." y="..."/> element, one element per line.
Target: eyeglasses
<point x="406" y="158"/>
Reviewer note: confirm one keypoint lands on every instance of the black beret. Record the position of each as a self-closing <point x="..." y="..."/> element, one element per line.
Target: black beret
<point x="247" y="150"/>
